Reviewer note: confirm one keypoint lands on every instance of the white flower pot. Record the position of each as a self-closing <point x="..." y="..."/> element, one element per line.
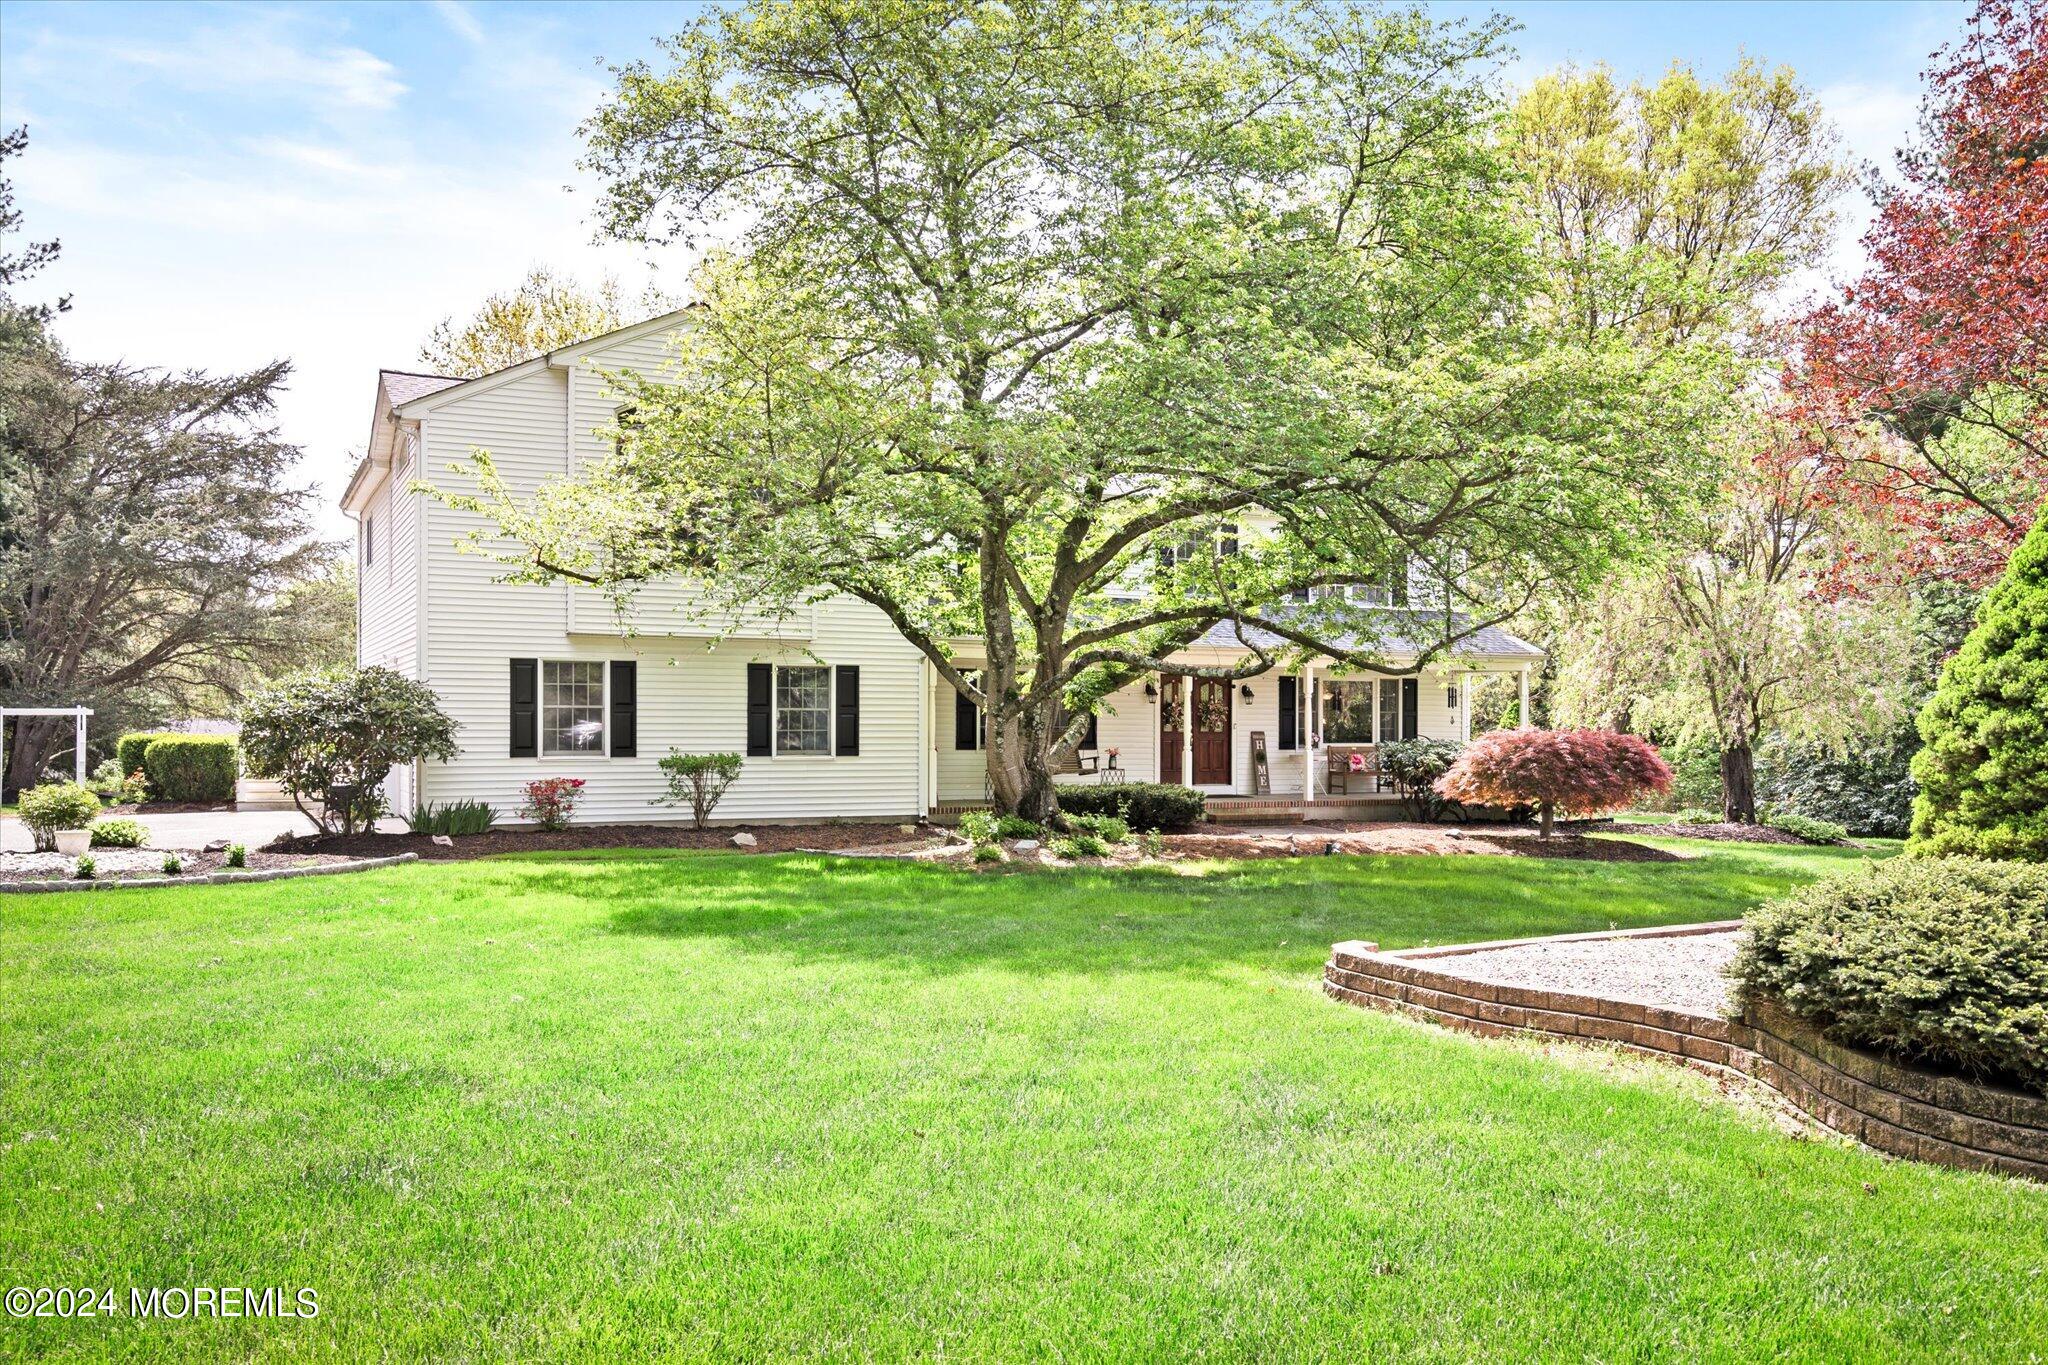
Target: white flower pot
<point x="72" y="842"/>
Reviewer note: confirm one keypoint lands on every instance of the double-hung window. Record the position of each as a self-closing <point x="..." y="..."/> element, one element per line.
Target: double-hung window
<point x="1362" y="711"/>
<point x="571" y="707"/>
<point x="803" y="709"/>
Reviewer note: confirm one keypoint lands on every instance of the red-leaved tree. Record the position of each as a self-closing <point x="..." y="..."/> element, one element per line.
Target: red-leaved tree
<point x="1580" y="772"/>
<point x="1944" y="339"/>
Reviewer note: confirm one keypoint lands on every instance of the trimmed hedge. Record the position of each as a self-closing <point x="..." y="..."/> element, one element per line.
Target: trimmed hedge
<point x="129" y="749"/>
<point x="192" y="767"/>
<point x="1943" y="961"/>
<point x="1141" y="805"/>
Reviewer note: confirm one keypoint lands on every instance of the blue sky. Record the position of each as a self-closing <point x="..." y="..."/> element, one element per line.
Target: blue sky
<point x="238" y="182"/>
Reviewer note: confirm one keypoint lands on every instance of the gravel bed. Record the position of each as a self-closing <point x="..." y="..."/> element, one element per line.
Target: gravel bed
<point x="1680" y="973"/>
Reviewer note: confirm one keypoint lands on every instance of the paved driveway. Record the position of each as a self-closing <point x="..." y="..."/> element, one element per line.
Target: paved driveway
<point x="196" y="829"/>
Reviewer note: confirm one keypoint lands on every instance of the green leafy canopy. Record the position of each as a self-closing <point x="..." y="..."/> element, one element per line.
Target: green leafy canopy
<point x="1037" y="311"/>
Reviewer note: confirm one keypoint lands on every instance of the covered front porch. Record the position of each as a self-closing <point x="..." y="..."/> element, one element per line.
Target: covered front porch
<point x="1277" y="745"/>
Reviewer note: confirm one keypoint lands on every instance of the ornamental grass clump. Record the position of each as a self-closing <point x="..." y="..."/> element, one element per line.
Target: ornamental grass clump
<point x="1580" y="772"/>
<point x="1940" y="961"/>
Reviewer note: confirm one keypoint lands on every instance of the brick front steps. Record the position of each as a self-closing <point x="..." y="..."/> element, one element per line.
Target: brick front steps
<point x="1895" y="1109"/>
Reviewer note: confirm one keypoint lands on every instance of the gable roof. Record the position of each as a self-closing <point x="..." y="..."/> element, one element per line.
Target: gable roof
<point x="562" y="357"/>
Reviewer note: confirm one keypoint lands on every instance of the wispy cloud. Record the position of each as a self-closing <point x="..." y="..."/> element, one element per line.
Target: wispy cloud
<point x="256" y="56"/>
<point x="457" y="16"/>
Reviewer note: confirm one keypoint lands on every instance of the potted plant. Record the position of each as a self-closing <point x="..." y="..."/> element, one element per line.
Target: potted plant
<point x="58" y="815"/>
<point x="1112" y="758"/>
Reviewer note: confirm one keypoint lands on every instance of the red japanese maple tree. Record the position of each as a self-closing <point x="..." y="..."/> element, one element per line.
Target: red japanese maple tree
<point x="1580" y="772"/>
<point x="1944" y="339"/>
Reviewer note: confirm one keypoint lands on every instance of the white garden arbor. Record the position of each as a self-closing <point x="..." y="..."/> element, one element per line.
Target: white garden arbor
<point x="77" y="714"/>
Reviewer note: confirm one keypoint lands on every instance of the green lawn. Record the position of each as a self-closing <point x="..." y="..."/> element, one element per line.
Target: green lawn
<point x="743" y="1107"/>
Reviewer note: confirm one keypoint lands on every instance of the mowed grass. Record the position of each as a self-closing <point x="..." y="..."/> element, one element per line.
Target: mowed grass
<point x="637" y="1105"/>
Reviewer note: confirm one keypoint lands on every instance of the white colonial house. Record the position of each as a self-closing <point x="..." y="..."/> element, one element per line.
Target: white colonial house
<point x="839" y="716"/>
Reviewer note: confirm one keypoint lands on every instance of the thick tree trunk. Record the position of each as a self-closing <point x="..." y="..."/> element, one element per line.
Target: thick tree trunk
<point x="1545" y="815"/>
<point x="1738" y="784"/>
<point x="29" y="749"/>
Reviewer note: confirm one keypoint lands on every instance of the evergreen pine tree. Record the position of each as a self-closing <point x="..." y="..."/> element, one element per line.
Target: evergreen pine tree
<point x="1984" y="773"/>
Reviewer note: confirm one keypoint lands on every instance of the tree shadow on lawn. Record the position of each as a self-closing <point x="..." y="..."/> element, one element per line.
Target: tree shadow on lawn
<point x="1280" y="915"/>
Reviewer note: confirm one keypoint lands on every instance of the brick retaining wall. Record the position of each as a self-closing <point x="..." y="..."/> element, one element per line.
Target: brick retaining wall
<point x="1895" y="1109"/>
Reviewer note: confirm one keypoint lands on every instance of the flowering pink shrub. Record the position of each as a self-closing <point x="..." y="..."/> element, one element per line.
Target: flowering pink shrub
<point x="551" y="801"/>
<point x="1581" y="772"/>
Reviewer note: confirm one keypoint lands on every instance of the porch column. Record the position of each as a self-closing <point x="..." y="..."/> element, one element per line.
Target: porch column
<point x="1187" y="729"/>
<point x="1523" y="715"/>
<point x="1465" y="707"/>
<point x="1307" y="737"/>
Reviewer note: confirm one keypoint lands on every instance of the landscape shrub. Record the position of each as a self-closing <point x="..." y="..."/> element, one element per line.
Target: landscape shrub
<point x="698" y="781"/>
<point x="1696" y="815"/>
<point x="452" y="818"/>
<point x="238" y="855"/>
<point x="1983" y="774"/>
<point x="1017" y="827"/>
<point x="1867" y="789"/>
<point x="979" y="827"/>
<point x="988" y="853"/>
<point x="128" y="749"/>
<point x="1414" y="765"/>
<point x="1110" y="829"/>
<point x="331" y="737"/>
<point x="1939" y="961"/>
<point x="1813" y="831"/>
<point x="119" y="832"/>
<point x="173" y="865"/>
<point x="196" y="768"/>
<point x="1141" y="805"/>
<point x="551" y="801"/>
<point x="86" y="869"/>
<point x="1074" y="846"/>
<point x="54" y="806"/>
<point x="1580" y="772"/>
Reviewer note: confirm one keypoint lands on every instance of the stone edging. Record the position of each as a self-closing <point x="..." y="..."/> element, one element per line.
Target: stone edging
<point x="269" y="874"/>
<point x="1895" y="1109"/>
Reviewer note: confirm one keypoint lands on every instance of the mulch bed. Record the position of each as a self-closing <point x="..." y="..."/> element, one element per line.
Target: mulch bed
<point x="148" y="862"/>
<point x="770" y="839"/>
<point x="1724" y="833"/>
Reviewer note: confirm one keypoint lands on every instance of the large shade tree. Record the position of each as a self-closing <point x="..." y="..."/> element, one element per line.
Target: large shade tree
<point x="543" y="311"/>
<point x="1075" y="328"/>
<point x="1941" y="345"/>
<point x="1729" y="638"/>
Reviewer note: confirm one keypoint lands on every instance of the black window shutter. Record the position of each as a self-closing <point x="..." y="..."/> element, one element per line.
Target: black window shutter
<point x="1411" y="700"/>
<point x="525" y="708"/>
<point x="1089" y="740"/>
<point x="846" y="695"/>
<point x="1290" y="693"/>
<point x="966" y="721"/>
<point x="760" y="681"/>
<point x="625" y="708"/>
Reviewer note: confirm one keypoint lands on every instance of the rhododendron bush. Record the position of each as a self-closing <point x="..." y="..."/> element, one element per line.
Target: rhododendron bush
<point x="1580" y="772"/>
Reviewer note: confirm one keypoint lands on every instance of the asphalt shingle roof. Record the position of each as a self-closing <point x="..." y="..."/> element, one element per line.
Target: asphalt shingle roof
<point x="1406" y="631"/>
<point x="404" y="386"/>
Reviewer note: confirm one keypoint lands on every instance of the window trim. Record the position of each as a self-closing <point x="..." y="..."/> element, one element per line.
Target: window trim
<point x="540" y="714"/>
<point x="369" y="543"/>
<point x="831" y="749"/>
<point x="1377" y="686"/>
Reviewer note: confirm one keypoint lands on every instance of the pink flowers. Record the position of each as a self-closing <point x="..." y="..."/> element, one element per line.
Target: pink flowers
<point x="551" y="801"/>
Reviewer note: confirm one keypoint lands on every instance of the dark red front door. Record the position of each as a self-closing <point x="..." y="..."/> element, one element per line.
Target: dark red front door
<point x="1172" y="729"/>
<point x="1212" y="732"/>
